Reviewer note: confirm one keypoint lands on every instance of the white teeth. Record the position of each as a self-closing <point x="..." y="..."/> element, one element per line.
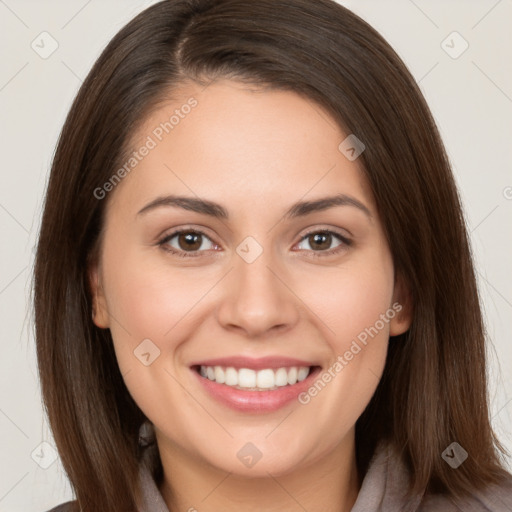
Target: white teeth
<point x="231" y="377"/>
<point x="246" y="378"/>
<point x="302" y="373"/>
<point x="220" y="376"/>
<point x="292" y="375"/>
<point x="281" y="378"/>
<point x="265" y="379"/>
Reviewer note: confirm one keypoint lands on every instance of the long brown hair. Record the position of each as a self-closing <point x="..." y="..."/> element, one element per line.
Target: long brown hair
<point x="434" y="387"/>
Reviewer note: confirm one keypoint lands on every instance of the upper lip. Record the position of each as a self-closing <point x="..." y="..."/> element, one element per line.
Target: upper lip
<point x="273" y="362"/>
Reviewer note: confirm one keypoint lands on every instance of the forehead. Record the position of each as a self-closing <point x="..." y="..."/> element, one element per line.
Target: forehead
<point x="229" y="139"/>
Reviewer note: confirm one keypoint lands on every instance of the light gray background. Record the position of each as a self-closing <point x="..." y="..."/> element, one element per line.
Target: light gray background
<point x="470" y="96"/>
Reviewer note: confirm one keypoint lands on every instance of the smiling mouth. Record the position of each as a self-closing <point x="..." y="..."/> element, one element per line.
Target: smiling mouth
<point x="247" y="379"/>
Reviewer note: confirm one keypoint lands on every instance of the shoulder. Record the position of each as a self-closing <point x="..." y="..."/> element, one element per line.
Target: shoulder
<point x="387" y="477"/>
<point x="495" y="498"/>
<point x="65" y="507"/>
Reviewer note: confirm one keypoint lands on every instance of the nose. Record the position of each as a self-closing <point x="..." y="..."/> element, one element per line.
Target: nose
<point x="257" y="299"/>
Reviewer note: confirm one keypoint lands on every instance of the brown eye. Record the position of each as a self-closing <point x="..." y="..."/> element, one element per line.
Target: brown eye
<point x="187" y="241"/>
<point x="322" y="241"/>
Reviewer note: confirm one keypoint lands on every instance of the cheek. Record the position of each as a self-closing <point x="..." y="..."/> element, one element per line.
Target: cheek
<point x="148" y="304"/>
<point x="146" y="295"/>
<point x="351" y="298"/>
<point x="145" y="301"/>
<point x="354" y="306"/>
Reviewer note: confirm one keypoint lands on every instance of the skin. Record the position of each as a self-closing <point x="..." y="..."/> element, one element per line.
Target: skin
<point x="256" y="152"/>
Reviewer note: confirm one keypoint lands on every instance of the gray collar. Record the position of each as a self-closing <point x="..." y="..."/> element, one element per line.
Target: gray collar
<point x="382" y="489"/>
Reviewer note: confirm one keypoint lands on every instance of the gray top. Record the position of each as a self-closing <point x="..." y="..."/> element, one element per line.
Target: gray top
<point x="383" y="490"/>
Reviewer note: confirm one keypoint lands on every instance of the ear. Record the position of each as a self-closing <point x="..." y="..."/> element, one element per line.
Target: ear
<point x="100" y="315"/>
<point x="403" y="307"/>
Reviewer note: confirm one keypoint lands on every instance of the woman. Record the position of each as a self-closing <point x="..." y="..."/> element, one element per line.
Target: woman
<point x="253" y="285"/>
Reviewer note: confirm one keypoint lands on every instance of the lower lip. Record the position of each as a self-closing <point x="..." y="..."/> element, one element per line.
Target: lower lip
<point x="256" y="401"/>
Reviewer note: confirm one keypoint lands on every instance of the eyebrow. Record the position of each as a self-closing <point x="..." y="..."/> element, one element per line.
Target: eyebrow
<point x="299" y="209"/>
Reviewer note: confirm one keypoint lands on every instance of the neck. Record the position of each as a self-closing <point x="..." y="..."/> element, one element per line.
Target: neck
<point x="329" y="484"/>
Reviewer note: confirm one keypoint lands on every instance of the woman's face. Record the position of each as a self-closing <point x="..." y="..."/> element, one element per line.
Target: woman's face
<point x="263" y="269"/>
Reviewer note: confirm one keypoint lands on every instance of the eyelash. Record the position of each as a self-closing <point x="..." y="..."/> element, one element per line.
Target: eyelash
<point x="193" y="254"/>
